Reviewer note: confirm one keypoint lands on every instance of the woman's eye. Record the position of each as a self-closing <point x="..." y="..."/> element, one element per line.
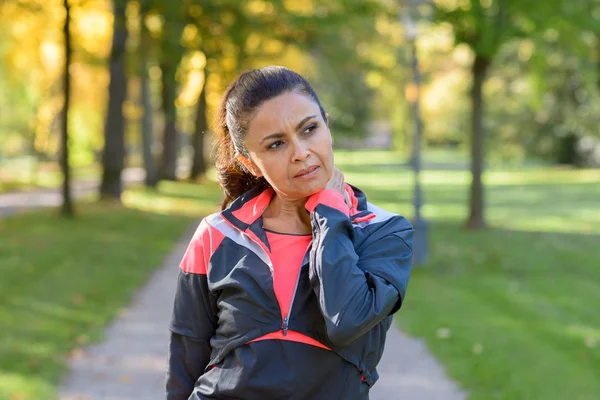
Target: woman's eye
<point x="275" y="144"/>
<point x="310" y="128"/>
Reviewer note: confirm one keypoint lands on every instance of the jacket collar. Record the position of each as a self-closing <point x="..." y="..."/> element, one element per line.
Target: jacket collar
<point x="247" y="209"/>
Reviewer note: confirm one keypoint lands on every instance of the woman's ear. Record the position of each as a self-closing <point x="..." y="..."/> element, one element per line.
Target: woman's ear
<point x="249" y="164"/>
<point x="327" y="119"/>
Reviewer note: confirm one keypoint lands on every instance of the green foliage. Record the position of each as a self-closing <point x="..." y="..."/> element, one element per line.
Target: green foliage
<point x="485" y="25"/>
<point x="235" y="38"/>
<point x="543" y="92"/>
<point x="566" y="85"/>
<point x="543" y="89"/>
<point x="347" y="49"/>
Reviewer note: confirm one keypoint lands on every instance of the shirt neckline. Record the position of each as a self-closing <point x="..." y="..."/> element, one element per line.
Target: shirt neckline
<point x="287" y="234"/>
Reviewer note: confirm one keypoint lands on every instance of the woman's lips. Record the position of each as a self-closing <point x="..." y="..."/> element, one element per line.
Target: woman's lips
<point x="308" y="173"/>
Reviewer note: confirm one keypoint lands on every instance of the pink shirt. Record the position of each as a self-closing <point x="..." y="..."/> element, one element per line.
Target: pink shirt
<point x="287" y="253"/>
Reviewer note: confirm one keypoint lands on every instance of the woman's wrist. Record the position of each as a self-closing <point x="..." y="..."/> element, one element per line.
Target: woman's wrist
<point x="328" y="197"/>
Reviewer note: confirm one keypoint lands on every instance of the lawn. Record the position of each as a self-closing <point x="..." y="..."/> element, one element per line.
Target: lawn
<point x="512" y="312"/>
<point x="24" y="175"/>
<point x="63" y="281"/>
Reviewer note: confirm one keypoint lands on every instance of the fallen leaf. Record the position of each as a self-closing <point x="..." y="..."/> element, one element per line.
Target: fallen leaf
<point x="444" y="333"/>
<point x="477" y="348"/>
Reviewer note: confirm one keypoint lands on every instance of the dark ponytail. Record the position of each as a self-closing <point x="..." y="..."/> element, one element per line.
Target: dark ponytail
<point x="231" y="174"/>
<point x="237" y="107"/>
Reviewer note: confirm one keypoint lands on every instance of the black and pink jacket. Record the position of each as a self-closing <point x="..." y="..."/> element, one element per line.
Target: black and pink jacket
<point x="231" y="339"/>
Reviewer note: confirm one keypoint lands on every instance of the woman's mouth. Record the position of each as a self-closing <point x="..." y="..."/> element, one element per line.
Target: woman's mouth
<point x="307" y="173"/>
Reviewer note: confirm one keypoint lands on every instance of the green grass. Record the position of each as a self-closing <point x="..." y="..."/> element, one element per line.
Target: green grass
<point x="20" y="176"/>
<point x="513" y="315"/>
<point x="512" y="312"/>
<point x="539" y="199"/>
<point x="64" y="280"/>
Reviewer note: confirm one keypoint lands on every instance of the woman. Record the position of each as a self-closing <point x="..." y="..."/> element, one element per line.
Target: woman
<point x="289" y="291"/>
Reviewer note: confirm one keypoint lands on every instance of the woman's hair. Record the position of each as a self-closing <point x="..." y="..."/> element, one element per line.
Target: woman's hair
<point x="237" y="108"/>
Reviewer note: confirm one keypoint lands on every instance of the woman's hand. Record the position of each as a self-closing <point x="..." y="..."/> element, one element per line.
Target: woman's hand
<point x="336" y="182"/>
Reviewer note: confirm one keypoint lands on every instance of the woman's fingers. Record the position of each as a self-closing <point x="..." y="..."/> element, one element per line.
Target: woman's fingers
<point x="347" y="199"/>
<point x="336" y="182"/>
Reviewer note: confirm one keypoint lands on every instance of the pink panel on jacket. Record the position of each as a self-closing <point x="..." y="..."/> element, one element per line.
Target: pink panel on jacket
<point x="204" y="243"/>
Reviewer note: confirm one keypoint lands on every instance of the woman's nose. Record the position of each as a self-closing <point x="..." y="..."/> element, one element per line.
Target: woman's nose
<point x="301" y="153"/>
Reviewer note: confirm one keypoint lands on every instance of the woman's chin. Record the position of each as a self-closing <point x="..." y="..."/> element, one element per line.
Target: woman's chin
<point x="303" y="191"/>
<point x="312" y="189"/>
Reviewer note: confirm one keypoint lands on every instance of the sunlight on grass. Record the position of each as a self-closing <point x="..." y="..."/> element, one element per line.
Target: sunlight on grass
<point x="372" y="157"/>
<point x="178" y="198"/>
<point x="590" y="336"/>
<point x="22" y="386"/>
<point x="548" y="199"/>
<point x="554" y="175"/>
<point x="22" y="175"/>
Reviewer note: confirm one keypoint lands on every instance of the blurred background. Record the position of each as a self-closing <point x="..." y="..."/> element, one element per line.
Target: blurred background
<point x="477" y="119"/>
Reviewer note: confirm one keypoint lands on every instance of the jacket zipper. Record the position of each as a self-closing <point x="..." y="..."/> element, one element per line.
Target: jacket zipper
<point x="286" y="319"/>
<point x="284" y="326"/>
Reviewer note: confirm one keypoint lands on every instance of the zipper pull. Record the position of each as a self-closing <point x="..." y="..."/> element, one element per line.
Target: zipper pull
<point x="285" y="325"/>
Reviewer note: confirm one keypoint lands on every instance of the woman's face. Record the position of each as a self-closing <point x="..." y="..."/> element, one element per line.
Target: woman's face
<point x="290" y="145"/>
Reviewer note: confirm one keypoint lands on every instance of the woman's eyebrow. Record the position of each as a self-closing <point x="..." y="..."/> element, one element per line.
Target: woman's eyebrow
<point x="280" y="135"/>
<point x="304" y="121"/>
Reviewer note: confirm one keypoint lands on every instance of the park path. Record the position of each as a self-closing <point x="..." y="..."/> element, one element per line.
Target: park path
<point x="130" y="363"/>
<point x="23" y="201"/>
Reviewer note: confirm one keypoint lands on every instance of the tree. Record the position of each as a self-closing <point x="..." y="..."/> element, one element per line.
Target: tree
<point x="113" y="157"/>
<point x="561" y="125"/>
<point x="67" y="204"/>
<point x="198" y="164"/>
<point x="484" y="26"/>
<point x="235" y="37"/>
<point x="168" y="166"/>
<point x="171" y="53"/>
<point x="151" y="179"/>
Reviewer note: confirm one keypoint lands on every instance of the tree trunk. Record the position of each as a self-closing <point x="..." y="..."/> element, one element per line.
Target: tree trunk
<point x="113" y="157"/>
<point x="147" y="125"/>
<point x="476" y="217"/>
<point x="598" y="60"/>
<point x="170" y="140"/>
<point x="35" y="164"/>
<point x="34" y="172"/>
<point x="67" y="204"/>
<point x="198" y="164"/>
<point x="566" y="150"/>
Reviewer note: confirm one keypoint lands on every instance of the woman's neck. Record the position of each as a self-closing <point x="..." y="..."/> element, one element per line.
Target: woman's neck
<point x="289" y="215"/>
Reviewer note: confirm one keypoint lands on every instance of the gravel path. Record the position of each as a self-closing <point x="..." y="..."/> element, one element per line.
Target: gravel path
<point x="408" y="372"/>
<point x="130" y="363"/>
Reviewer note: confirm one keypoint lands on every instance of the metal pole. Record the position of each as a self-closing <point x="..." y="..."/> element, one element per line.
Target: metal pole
<point x="420" y="250"/>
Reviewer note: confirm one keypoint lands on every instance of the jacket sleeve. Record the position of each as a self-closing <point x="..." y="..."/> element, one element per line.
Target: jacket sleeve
<point x="356" y="293"/>
<point x="193" y="321"/>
